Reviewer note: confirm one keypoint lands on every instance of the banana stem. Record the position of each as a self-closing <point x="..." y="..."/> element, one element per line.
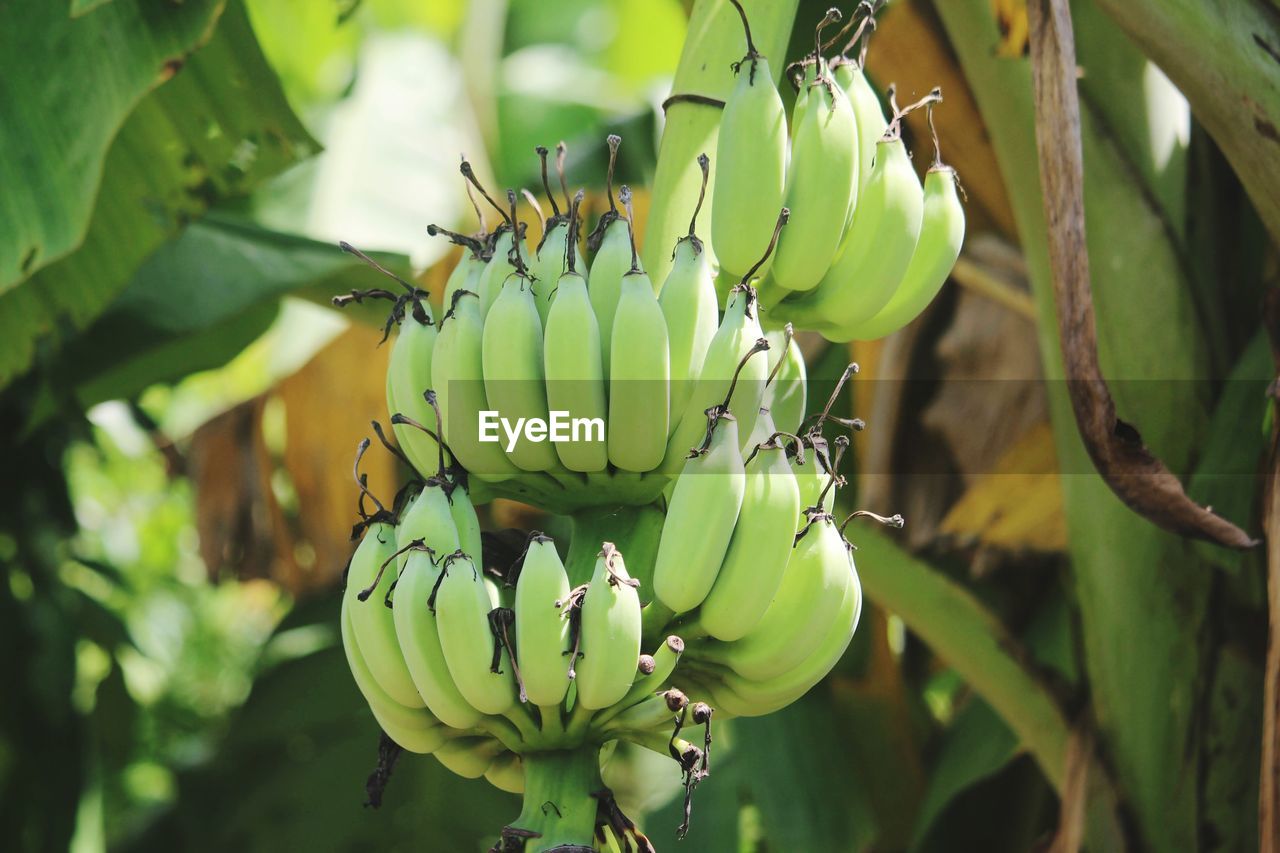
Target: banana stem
<point x="634" y="529"/>
<point x="523" y="721"/>
<point x="552" y="725"/>
<point x="504" y="732"/>
<point x="579" y="719"/>
<point x="559" y="800"/>
<point x="654" y="620"/>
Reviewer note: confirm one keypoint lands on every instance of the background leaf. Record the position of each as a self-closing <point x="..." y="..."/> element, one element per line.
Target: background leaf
<point x="62" y="110"/>
<point x="198" y="139"/>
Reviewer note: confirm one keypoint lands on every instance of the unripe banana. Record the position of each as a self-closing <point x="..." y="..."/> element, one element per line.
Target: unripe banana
<point x="758" y="553"/>
<point x="506" y="773"/>
<point x="514" y="379"/>
<point x="457" y="375"/>
<point x="549" y="262"/>
<point x="728" y="355"/>
<point x="761" y="432"/>
<point x="412" y="728"/>
<point x="656" y="711"/>
<point x="700" y="519"/>
<point x="817" y="577"/>
<point x="415" y="621"/>
<point x="754" y="698"/>
<point x="542" y="631"/>
<point x="610" y="633"/>
<point x="787" y="393"/>
<point x="469" y="757"/>
<point x="659" y="667"/>
<point x="467" y="523"/>
<point x="462" y="619"/>
<point x="371" y="619"/>
<point x="574" y="363"/>
<point x="751" y="160"/>
<point x="465" y="276"/>
<point x="408" y="376"/>
<point x="639" y="378"/>
<point x="426" y="519"/>
<point x="611" y="244"/>
<point x="941" y="235"/>
<point x="498" y="270"/>
<point x="878" y="246"/>
<point x="868" y="114"/>
<point x="690" y="307"/>
<point x="822" y="184"/>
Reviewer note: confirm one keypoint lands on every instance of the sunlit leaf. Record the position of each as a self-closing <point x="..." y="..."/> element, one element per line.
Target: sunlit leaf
<point x="217" y="130"/>
<point x="62" y="110"/>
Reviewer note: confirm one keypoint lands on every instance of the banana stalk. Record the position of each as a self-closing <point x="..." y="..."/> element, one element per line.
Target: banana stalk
<point x="568" y="780"/>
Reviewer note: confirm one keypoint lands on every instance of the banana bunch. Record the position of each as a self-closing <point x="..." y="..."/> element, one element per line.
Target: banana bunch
<point x="667" y="418"/>
<point x="867" y="247"/>
<point x="566" y="384"/>
<point x="483" y="668"/>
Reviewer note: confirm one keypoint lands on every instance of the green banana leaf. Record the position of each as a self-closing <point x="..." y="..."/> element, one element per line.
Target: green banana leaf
<point x="1144" y="671"/>
<point x="62" y="111"/>
<point x="218" y="129"/>
<point x="202" y="298"/>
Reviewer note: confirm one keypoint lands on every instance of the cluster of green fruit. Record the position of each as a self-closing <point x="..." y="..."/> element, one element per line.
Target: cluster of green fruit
<point x="526" y="334"/>
<point x="867" y="247"/>
<point x="489" y="670"/>
<point x="706" y="476"/>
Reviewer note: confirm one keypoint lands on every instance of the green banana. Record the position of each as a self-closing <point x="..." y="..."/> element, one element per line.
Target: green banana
<point x="609" y="632"/>
<point x="761" y="432"/>
<point x="611" y="245"/>
<point x="514" y="378"/>
<point x="469" y="757"/>
<point x="756" y="559"/>
<point x="748" y="698"/>
<point x="868" y="114"/>
<point x="573" y="362"/>
<point x="465" y="276"/>
<point x="412" y="728"/>
<point x="506" y="773"/>
<point x="941" y="235"/>
<point x="549" y="262"/>
<point x="787" y="391"/>
<point x="640" y="372"/>
<point x="467" y="523"/>
<point x="822" y="183"/>
<point x="690" y="307"/>
<point x="409" y="367"/>
<point x="817" y="577"/>
<point x="653" y="672"/>
<point x="426" y="533"/>
<point x="542" y="631"/>
<point x="457" y="374"/>
<point x="656" y="711"/>
<point x="751" y="161"/>
<point x="462" y="618"/>
<point x="498" y="270"/>
<point x="700" y="519"/>
<point x="878" y="246"/>
<point x="371" y="620"/>
<point x="729" y="355"/>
